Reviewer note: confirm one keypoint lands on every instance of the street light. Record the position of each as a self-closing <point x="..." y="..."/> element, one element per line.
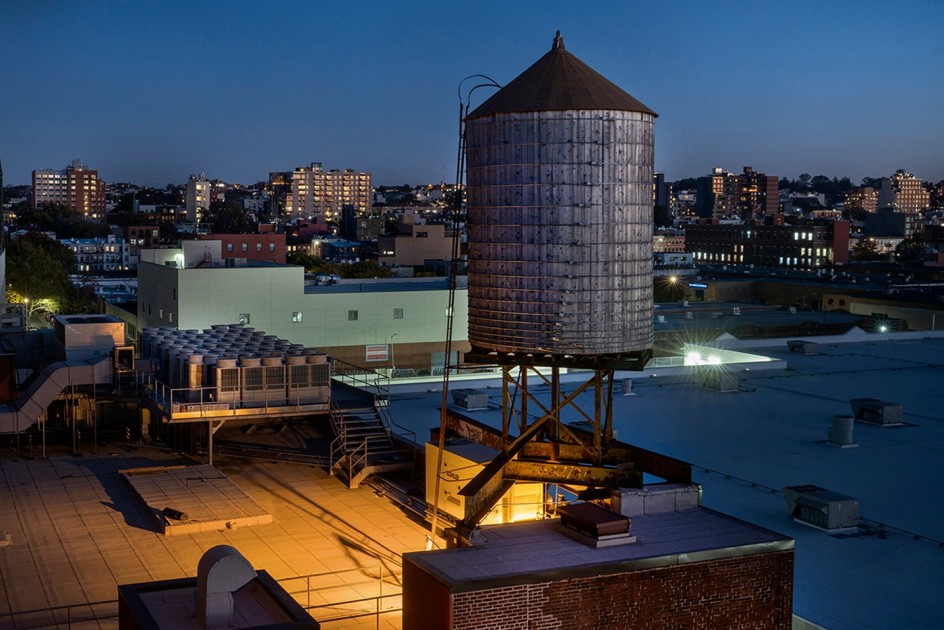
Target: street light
<point x="393" y="361"/>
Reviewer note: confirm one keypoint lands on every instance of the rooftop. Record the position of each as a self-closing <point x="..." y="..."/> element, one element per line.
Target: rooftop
<point x="518" y="552"/>
<point x="76" y="532"/>
<point x="748" y="445"/>
<point x="384" y="285"/>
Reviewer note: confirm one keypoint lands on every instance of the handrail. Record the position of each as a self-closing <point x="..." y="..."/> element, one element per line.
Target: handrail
<point x="204" y="399"/>
<point x="64" y="615"/>
<point x="67" y="608"/>
<point x="363" y="377"/>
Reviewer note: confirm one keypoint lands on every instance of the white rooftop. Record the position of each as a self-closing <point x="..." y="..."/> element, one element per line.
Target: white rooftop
<point x="746" y="446"/>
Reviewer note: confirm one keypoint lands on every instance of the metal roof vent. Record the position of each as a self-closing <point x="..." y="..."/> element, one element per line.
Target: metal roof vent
<point x="821" y="508"/>
<point x="840" y="433"/>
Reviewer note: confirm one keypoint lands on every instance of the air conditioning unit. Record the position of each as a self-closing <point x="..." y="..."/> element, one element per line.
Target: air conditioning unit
<point x="800" y="346"/>
<point x="821" y="508"/>
<point x="875" y="411"/>
<point x="470" y="399"/>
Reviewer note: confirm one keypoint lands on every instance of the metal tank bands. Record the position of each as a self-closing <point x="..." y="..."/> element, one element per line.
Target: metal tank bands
<point x="560" y="166"/>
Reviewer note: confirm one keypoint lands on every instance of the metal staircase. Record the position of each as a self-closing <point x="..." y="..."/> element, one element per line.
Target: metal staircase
<point x="364" y="442"/>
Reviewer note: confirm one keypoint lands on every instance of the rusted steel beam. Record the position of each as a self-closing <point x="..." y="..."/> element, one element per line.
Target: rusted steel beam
<point x="553" y="472"/>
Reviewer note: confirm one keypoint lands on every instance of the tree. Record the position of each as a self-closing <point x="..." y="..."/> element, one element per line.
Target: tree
<point x="855" y="213"/>
<point x="366" y="269"/>
<point x="865" y="250"/>
<point x="805" y="180"/>
<point x="910" y="250"/>
<point x="168" y="232"/>
<point x="661" y="216"/>
<point x="226" y="217"/>
<point x="38" y="271"/>
<point x="689" y="183"/>
<point x="64" y="221"/>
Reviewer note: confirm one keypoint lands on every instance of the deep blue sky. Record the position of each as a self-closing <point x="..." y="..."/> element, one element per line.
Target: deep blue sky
<point x="151" y="92"/>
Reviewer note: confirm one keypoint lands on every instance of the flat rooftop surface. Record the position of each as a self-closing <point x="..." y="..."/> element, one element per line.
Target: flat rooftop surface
<point x="77" y="531"/>
<point x="532" y="550"/>
<point x="747" y="445"/>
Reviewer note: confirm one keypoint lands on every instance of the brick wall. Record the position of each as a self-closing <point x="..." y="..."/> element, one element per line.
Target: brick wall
<point x="753" y="591"/>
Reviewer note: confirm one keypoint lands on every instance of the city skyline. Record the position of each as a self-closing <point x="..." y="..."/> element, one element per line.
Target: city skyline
<point x="153" y="93"/>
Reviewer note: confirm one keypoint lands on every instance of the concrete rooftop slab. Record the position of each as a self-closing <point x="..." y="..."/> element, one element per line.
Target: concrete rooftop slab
<point x="78" y="531"/>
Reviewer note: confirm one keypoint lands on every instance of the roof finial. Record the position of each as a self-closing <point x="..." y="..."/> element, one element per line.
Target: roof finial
<point x="558" y="42"/>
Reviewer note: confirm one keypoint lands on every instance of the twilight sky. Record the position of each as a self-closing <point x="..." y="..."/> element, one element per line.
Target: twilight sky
<point x="152" y="91"/>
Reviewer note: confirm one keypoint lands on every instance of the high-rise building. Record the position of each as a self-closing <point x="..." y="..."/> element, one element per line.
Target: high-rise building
<point x="661" y="192"/>
<point x="910" y="195"/>
<point x="199" y="190"/>
<point x="757" y="195"/>
<point x="320" y="195"/>
<point x="724" y="195"/>
<point x="864" y="197"/>
<point x="76" y="186"/>
<point x="717" y="194"/>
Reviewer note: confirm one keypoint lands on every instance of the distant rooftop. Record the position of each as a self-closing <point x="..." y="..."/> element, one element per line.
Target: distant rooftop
<point x="382" y="285"/>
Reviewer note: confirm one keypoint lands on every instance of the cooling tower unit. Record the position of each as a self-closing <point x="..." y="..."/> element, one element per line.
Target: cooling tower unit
<point x="559" y="171"/>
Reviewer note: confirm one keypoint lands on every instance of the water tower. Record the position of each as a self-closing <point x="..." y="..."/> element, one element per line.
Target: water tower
<point x="560" y="197"/>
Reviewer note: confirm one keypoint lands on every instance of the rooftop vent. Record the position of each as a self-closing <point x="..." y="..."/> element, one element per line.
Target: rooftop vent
<point x="840" y="433"/>
<point x="821" y="508"/>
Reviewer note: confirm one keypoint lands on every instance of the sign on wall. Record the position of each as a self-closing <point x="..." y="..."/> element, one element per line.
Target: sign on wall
<point x="377" y="352"/>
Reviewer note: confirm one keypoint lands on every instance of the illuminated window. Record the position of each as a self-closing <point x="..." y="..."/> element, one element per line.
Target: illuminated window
<point x="245" y="247"/>
<point x="296" y="317"/>
<point x="244" y="318"/>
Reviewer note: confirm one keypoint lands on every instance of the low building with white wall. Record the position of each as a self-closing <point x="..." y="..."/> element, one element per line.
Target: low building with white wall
<point x="382" y="323"/>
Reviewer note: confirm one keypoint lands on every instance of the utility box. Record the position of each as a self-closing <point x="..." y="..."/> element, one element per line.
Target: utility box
<point x="822" y="508"/>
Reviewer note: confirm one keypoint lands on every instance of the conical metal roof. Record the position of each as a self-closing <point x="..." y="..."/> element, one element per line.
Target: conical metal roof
<point x="559" y="81"/>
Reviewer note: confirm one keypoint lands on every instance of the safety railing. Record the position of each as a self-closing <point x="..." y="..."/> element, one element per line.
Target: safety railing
<point x="315" y="594"/>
